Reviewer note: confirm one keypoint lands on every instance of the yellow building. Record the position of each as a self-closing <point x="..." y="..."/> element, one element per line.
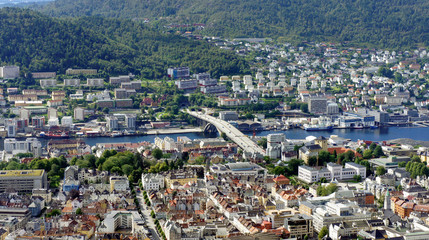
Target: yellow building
<point x="65" y="143"/>
<point x="23" y="180"/>
<point x="181" y="177"/>
<point x="322" y="142"/>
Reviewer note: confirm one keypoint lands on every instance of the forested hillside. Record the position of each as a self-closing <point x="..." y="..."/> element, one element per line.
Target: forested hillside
<point x="40" y="43"/>
<point x="387" y="23"/>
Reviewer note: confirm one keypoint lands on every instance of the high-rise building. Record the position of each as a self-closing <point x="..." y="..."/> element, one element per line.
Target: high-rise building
<point x="178" y="72"/>
<point x="317" y="105"/>
<point x="79" y="114"/>
<point x="130" y="121"/>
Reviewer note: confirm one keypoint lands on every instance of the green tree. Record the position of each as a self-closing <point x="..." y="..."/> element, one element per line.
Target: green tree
<point x="263" y="142"/>
<point x="380" y="171"/>
<point x="367" y="154"/>
<point x="323" y="232"/>
<point x="357" y="178"/>
<point x="378" y="152"/>
<point x="157" y="153"/>
<point x="79" y="211"/>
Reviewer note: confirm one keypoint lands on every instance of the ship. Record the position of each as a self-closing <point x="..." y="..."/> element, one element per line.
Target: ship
<point x="323" y="125"/>
<point x="318" y="127"/>
<point x="56" y="135"/>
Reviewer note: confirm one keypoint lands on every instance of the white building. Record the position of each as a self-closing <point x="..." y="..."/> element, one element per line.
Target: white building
<point x="48" y="82"/>
<point x="112" y="123"/>
<point x="72" y="82"/>
<point x="274" y="148"/>
<point x="130" y="121"/>
<point x="9" y="72"/>
<point x="67" y="121"/>
<point x="29" y="145"/>
<point x="53" y="122"/>
<point x="332" y="171"/>
<point x="119" y="184"/>
<point x="123" y="220"/>
<point x="95" y="82"/>
<point x="152" y="181"/>
<point x="79" y="113"/>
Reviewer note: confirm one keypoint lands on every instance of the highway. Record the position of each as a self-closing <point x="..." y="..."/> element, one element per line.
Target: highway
<point x="242" y="140"/>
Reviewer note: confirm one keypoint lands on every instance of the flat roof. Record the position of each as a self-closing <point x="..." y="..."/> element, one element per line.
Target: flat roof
<point x="21" y="173"/>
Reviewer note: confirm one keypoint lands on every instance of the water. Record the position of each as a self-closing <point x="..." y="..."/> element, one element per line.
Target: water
<point x="381" y="134"/>
<point x="147" y="138"/>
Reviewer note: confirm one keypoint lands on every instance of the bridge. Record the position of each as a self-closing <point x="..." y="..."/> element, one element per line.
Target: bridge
<point x="242" y="140"/>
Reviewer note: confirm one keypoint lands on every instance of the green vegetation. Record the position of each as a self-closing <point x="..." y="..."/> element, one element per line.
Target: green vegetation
<point x="40" y="43"/>
<point x="380" y="171"/>
<point x="326" y="190"/>
<point x="382" y="23"/>
<point x="323" y="232"/>
<point x="417" y="169"/>
<point x="287" y="169"/>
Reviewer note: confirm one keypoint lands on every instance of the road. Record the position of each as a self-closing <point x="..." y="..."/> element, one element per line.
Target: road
<point x="231" y="132"/>
<point x="148" y="219"/>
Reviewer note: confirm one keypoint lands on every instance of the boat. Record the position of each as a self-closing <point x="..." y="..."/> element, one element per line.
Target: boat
<point x="323" y="125"/>
<point x="374" y="127"/>
<point x="56" y="135"/>
<point x="116" y="134"/>
<point x="317" y="127"/>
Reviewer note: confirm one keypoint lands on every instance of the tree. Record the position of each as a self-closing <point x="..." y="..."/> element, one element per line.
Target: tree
<point x="157" y="153"/>
<point x="378" y="152"/>
<point x="372" y="146"/>
<point x="380" y="171"/>
<point x="357" y="178"/>
<point x="323" y="232"/>
<point x="324" y="157"/>
<point x="263" y="142"/>
<point x="367" y="154"/>
<point x="402" y="164"/>
<point x="79" y="211"/>
<point x="223" y="135"/>
<point x="106" y="110"/>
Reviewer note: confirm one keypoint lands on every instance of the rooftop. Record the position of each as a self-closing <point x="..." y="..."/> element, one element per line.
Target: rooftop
<point x="21" y="173"/>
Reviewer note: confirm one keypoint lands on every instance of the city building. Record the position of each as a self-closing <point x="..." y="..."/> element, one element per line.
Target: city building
<point x="13" y="146"/>
<point x="228" y="115"/>
<point x="9" y="72"/>
<point x="40" y="75"/>
<point x="299" y="226"/>
<point x="23" y="180"/>
<point x="48" y="82"/>
<point x="332" y="171"/>
<point x="187" y="84"/>
<point x="79" y="114"/>
<point x="119" y="184"/>
<point x="38" y="121"/>
<point x="152" y="181"/>
<point x="317" y="105"/>
<point x="119" y="80"/>
<point x="130" y="121"/>
<point x="239" y="168"/>
<point x="121" y="220"/>
<point x="67" y="121"/>
<point x="112" y="123"/>
<point x="72" y="71"/>
<point x="178" y="72"/>
<point x="95" y="82"/>
<point x="72" y="82"/>
<point x="181" y="177"/>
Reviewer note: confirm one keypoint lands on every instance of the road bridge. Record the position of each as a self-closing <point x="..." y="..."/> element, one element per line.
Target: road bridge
<point x="242" y="140"/>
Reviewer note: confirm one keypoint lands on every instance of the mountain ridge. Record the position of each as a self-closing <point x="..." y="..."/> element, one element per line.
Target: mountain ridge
<point x="383" y="22"/>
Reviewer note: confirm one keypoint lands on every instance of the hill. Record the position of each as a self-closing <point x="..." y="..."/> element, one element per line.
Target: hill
<point x="386" y="23"/>
<point x="40" y="43"/>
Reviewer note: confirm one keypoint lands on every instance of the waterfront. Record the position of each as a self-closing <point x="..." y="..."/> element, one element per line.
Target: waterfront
<point x="381" y="134"/>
